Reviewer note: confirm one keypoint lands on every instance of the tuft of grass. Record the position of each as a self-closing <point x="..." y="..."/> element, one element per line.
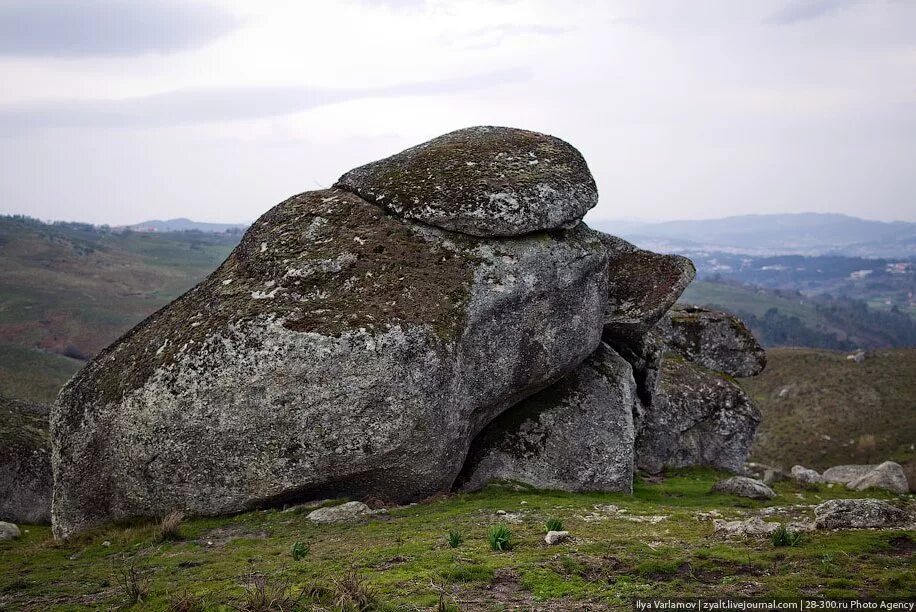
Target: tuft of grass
<point x="265" y="595"/>
<point x="169" y="527"/>
<point x="133" y="586"/>
<point x="352" y="592"/>
<point x="186" y="602"/>
<point x="299" y="551"/>
<point x="783" y="536"/>
<point x="454" y="538"/>
<point x="500" y="538"/>
<point x="467" y="573"/>
<point x="553" y="524"/>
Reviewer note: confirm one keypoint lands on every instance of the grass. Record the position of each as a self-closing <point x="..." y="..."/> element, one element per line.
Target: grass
<point x="454" y="538"/>
<point x="784" y="536"/>
<point x="553" y="524"/>
<point x="500" y="538"/>
<point x="612" y="560"/>
<point x="170" y="526"/>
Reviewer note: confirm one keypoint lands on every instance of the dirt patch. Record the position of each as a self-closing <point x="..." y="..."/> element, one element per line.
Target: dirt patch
<point x="221" y="536"/>
<point x="505" y="592"/>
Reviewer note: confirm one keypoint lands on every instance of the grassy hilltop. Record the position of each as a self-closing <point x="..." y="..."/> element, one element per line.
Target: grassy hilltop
<point x="657" y="542"/>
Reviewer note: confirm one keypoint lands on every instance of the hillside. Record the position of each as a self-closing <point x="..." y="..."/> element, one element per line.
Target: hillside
<point x="68" y="290"/>
<point x="790" y="318"/>
<point x="821" y="409"/>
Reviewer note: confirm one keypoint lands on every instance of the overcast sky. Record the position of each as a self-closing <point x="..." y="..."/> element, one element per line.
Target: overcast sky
<point x="119" y="111"/>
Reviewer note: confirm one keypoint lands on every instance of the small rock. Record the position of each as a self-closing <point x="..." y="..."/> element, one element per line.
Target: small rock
<point x="8" y="531"/>
<point x="106" y="544"/>
<point x="743" y="486"/>
<point x="501" y="512"/>
<point x="555" y="537"/>
<point x="343" y="513"/>
<point x="805" y="475"/>
<point x="749" y="527"/>
<point x="858" y="514"/>
<point x="888" y="475"/>
<point x="307" y="505"/>
<point x="772" y="475"/>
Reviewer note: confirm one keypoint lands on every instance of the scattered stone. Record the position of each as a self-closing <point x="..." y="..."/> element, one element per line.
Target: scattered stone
<point x="501" y="512"/>
<point x="555" y="537"/>
<point x="845" y="474"/>
<point x="8" y="531"/>
<point x="697" y="418"/>
<point x="773" y="475"/>
<point x="25" y="462"/>
<point x="574" y="436"/>
<point x="714" y="339"/>
<point x="484" y="181"/>
<point x="742" y="486"/>
<point x="106" y="543"/>
<point x="858" y="514"/>
<point x="805" y="475"/>
<point x="642" y="286"/>
<point x="888" y="476"/>
<point x="308" y="506"/>
<point x="857" y="357"/>
<point x="344" y="513"/>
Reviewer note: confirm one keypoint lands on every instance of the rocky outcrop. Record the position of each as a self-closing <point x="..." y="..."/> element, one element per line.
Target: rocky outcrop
<point x="343" y="513"/>
<point x="577" y="435"/>
<point x="888" y="476"/>
<point x="859" y="514"/>
<point x="714" y="339"/>
<point x="484" y="181"/>
<point x="340" y="350"/>
<point x="25" y="462"/>
<point x="697" y="418"/>
<point x="642" y="286"/>
<point x="742" y="486"/>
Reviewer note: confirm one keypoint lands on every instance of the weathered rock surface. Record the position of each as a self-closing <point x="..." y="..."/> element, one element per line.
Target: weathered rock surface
<point x="555" y="537"/>
<point x="338" y="351"/>
<point x="697" y="418"/>
<point x="859" y="514"/>
<point x="576" y="435"/>
<point x="805" y="475"/>
<point x="645" y="357"/>
<point x="642" y="286"/>
<point x="752" y="527"/>
<point x="25" y="462"/>
<point x="844" y="474"/>
<point x="888" y="476"/>
<point x="343" y="513"/>
<point x="742" y="486"/>
<point x="714" y="339"/>
<point x="8" y="531"/>
<point x="483" y="181"/>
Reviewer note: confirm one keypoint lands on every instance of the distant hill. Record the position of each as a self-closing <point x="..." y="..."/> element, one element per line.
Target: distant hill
<point x="788" y="234"/>
<point x="821" y="409"/>
<point x="67" y="290"/>
<point x="186" y="225"/>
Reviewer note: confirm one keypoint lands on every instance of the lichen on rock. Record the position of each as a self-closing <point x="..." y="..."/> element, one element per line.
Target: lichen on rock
<point x="483" y="181"/>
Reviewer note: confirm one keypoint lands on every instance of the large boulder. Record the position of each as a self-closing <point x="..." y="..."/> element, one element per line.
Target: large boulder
<point x="25" y="462"/>
<point x="642" y="286"/>
<point x="888" y="476"/>
<point x="338" y="351"/>
<point x="576" y="435"/>
<point x="483" y="181"/>
<point x="859" y="514"/>
<point x="714" y="339"/>
<point x="698" y="418"/>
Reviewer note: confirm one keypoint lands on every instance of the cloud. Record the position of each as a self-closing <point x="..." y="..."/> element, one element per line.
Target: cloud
<point x="67" y="28"/>
<point x="805" y="10"/>
<point x="223" y="103"/>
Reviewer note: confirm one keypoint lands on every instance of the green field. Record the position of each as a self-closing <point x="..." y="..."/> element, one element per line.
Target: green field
<point x="401" y="560"/>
